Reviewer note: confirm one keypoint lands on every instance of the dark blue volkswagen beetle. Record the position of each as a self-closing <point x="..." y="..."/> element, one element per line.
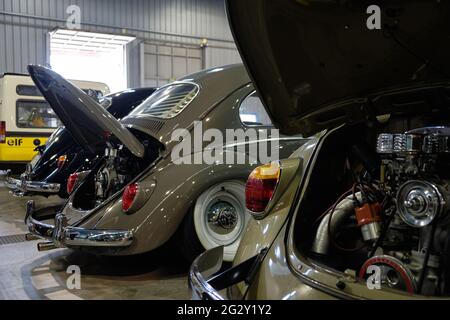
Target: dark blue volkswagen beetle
<point x="48" y="172"/>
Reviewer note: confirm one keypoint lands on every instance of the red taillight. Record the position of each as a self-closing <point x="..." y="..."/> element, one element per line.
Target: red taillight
<point x="61" y="161"/>
<point x="129" y="195"/>
<point x="2" y="131"/>
<point x="71" y="182"/>
<point x="260" y="187"/>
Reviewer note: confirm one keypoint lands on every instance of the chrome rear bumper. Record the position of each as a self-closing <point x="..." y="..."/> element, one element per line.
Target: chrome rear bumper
<point x="23" y="186"/>
<point x="62" y="235"/>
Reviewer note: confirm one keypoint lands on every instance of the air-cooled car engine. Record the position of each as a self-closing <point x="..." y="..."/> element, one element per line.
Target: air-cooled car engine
<point x="403" y="216"/>
<point x="415" y="173"/>
<point x="108" y="180"/>
<point x="113" y="169"/>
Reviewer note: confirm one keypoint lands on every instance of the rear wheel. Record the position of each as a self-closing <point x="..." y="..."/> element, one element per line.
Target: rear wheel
<point x="218" y="218"/>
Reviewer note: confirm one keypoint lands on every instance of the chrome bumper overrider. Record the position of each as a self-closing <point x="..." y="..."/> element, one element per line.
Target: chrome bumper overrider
<point x="205" y="281"/>
<point x="62" y="235"/>
<point x="202" y="270"/>
<point x="23" y="185"/>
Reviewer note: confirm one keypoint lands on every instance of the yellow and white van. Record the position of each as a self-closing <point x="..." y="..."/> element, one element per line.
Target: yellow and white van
<point x="26" y="119"/>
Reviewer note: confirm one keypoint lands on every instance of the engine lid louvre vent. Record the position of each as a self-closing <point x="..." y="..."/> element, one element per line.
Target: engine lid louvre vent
<point x="168" y="101"/>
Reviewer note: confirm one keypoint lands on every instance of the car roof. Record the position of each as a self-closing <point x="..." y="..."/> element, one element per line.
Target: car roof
<point x="2" y="75"/>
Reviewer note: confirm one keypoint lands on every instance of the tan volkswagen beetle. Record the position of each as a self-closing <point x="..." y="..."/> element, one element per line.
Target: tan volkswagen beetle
<point x="361" y="211"/>
<point x="170" y="170"/>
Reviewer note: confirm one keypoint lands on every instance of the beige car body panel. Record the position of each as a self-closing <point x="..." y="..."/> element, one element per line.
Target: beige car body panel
<point x="285" y="273"/>
<point x="314" y="88"/>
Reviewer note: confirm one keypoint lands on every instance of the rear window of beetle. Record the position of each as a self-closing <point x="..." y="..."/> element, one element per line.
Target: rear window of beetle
<point x="169" y="101"/>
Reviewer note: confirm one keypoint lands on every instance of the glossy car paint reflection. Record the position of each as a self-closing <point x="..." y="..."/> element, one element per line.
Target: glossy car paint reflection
<point x="175" y="188"/>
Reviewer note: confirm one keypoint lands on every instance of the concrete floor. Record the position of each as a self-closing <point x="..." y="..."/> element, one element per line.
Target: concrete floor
<point x="26" y="273"/>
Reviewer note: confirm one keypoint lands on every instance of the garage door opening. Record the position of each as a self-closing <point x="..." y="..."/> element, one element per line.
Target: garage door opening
<point x="90" y="56"/>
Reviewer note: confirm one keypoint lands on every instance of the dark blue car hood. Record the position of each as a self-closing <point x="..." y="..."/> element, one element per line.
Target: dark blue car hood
<point x="88" y="122"/>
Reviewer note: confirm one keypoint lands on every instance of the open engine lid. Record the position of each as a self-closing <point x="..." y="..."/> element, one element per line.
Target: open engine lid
<point x="87" y="121"/>
<point x="315" y="63"/>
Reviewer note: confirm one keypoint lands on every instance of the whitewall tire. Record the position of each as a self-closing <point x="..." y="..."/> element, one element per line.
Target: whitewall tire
<point x="220" y="217"/>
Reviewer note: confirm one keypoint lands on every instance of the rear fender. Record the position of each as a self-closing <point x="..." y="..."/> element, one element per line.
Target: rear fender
<point x="176" y="189"/>
<point x="262" y="232"/>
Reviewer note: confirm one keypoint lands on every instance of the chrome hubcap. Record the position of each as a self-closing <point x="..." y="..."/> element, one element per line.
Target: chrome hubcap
<point x="222" y="217"/>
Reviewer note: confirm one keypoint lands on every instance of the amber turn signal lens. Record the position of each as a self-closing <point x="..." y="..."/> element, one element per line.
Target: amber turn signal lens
<point x="261" y="186"/>
<point x="61" y="161"/>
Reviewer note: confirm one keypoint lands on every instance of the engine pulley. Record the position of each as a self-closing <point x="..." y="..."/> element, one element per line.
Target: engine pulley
<point x="419" y="203"/>
<point x="389" y="272"/>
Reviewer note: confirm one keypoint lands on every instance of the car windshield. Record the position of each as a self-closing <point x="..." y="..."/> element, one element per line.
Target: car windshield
<point x="168" y="102"/>
<point x="36" y="114"/>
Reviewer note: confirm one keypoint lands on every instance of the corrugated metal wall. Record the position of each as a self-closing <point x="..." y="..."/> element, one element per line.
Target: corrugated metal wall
<point x="24" y="27"/>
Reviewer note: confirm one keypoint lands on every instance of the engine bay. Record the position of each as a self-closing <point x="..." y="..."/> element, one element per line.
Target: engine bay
<point x="393" y="218"/>
<point x="113" y="170"/>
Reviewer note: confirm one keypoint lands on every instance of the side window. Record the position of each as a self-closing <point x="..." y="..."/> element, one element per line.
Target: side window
<point x="252" y="112"/>
<point x="35" y="114"/>
<point x="26" y="90"/>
